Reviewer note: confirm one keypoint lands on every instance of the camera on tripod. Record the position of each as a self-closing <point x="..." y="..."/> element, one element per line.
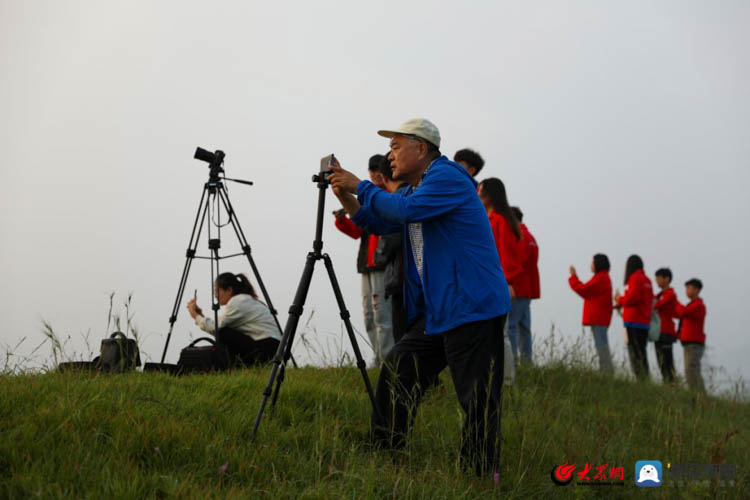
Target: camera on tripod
<point x="284" y="352"/>
<point x="214" y="160"/>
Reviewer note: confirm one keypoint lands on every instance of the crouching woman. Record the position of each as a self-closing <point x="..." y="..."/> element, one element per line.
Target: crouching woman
<point x="246" y="326"/>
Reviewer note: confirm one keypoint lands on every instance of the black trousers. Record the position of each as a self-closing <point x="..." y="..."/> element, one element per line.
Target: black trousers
<point x="243" y="350"/>
<point x="474" y="354"/>
<point x="398" y="314"/>
<point x="637" y="342"/>
<point x="664" y="356"/>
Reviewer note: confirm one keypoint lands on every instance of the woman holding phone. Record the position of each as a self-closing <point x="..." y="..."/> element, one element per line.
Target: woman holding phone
<point x="597" y="306"/>
<point x="246" y="326"/>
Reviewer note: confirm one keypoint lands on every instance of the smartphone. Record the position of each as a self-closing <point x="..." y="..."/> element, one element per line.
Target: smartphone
<point x="325" y="163"/>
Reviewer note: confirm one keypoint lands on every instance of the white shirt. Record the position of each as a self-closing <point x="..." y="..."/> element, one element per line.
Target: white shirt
<point x="244" y="314"/>
<point x="415" y="236"/>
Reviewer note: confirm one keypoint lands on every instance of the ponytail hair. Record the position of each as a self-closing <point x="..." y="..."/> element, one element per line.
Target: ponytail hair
<point x="633" y="264"/>
<point x="237" y="282"/>
<point x="494" y="189"/>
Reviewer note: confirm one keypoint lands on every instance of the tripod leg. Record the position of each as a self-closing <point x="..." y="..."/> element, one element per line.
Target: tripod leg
<point x="295" y="311"/>
<point x="282" y="370"/>
<point x="345" y="316"/>
<point x="200" y="218"/>
<point x="247" y="250"/>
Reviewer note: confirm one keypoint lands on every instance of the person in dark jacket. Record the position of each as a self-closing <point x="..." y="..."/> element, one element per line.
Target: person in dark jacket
<point x="636" y="305"/>
<point x="376" y="306"/>
<point x="388" y="254"/>
<point x="692" y="335"/>
<point x="452" y="279"/>
<point x="666" y="303"/>
<point x="597" y="306"/>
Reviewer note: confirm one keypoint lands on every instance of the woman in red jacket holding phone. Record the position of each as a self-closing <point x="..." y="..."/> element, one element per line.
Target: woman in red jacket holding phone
<point x="636" y="305"/>
<point x="597" y="306"/>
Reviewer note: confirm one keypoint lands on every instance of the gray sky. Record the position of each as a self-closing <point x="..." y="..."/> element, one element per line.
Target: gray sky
<point x="617" y="127"/>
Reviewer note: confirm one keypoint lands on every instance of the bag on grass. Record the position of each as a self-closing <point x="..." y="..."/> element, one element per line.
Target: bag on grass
<point x="205" y="358"/>
<point x="119" y="354"/>
<point x="654" y="328"/>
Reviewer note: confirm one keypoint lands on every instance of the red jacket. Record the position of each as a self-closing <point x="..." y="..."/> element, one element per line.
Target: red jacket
<point x="692" y="318"/>
<point x="364" y="260"/>
<point x="597" y="298"/>
<point x="638" y="299"/>
<point x="528" y="284"/>
<point x="666" y="302"/>
<point x="509" y="248"/>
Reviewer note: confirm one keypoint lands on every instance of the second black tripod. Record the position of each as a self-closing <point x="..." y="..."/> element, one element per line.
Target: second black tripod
<point x="284" y="350"/>
<point x="215" y="191"/>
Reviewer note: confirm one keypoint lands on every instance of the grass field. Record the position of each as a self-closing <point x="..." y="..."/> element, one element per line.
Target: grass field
<point x="140" y="435"/>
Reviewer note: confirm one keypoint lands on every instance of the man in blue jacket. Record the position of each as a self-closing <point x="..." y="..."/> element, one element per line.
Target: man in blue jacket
<point x="455" y="291"/>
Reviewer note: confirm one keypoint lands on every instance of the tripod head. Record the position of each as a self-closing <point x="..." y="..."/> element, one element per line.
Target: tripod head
<point x="321" y="178"/>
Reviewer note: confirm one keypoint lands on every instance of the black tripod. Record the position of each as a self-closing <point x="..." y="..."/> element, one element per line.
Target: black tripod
<point x="215" y="191"/>
<point x="284" y="351"/>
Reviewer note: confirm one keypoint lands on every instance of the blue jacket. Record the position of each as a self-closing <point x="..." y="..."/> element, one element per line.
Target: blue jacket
<point x="462" y="277"/>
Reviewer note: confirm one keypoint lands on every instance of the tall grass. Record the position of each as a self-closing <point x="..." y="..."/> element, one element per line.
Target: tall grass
<point x="149" y="435"/>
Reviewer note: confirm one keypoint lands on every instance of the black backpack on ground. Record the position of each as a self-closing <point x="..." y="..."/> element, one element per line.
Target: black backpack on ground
<point x="202" y="359"/>
<point x="118" y="354"/>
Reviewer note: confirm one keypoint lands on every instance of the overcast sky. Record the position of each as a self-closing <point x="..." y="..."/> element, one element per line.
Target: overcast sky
<point x="618" y="127"/>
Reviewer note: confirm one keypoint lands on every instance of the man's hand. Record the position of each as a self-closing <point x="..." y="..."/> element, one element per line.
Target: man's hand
<point x="572" y="271"/>
<point x="342" y="180"/>
<point x="617" y="298"/>
<point x="512" y="292"/>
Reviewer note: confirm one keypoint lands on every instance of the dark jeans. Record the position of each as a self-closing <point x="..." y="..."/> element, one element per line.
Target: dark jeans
<point x="663" y="348"/>
<point x="474" y="354"/>
<point x="398" y="311"/>
<point x="637" y="341"/>
<point x="243" y="350"/>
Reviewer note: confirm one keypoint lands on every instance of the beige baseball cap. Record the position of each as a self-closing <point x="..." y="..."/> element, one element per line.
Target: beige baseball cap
<point x="419" y="127"/>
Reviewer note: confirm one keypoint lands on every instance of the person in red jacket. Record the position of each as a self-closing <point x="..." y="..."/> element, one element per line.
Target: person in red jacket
<point x="527" y="286"/>
<point x="597" y="306"/>
<point x="692" y="319"/>
<point x="375" y="305"/>
<point x="636" y="305"/>
<point x="666" y="301"/>
<point x="507" y="234"/>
